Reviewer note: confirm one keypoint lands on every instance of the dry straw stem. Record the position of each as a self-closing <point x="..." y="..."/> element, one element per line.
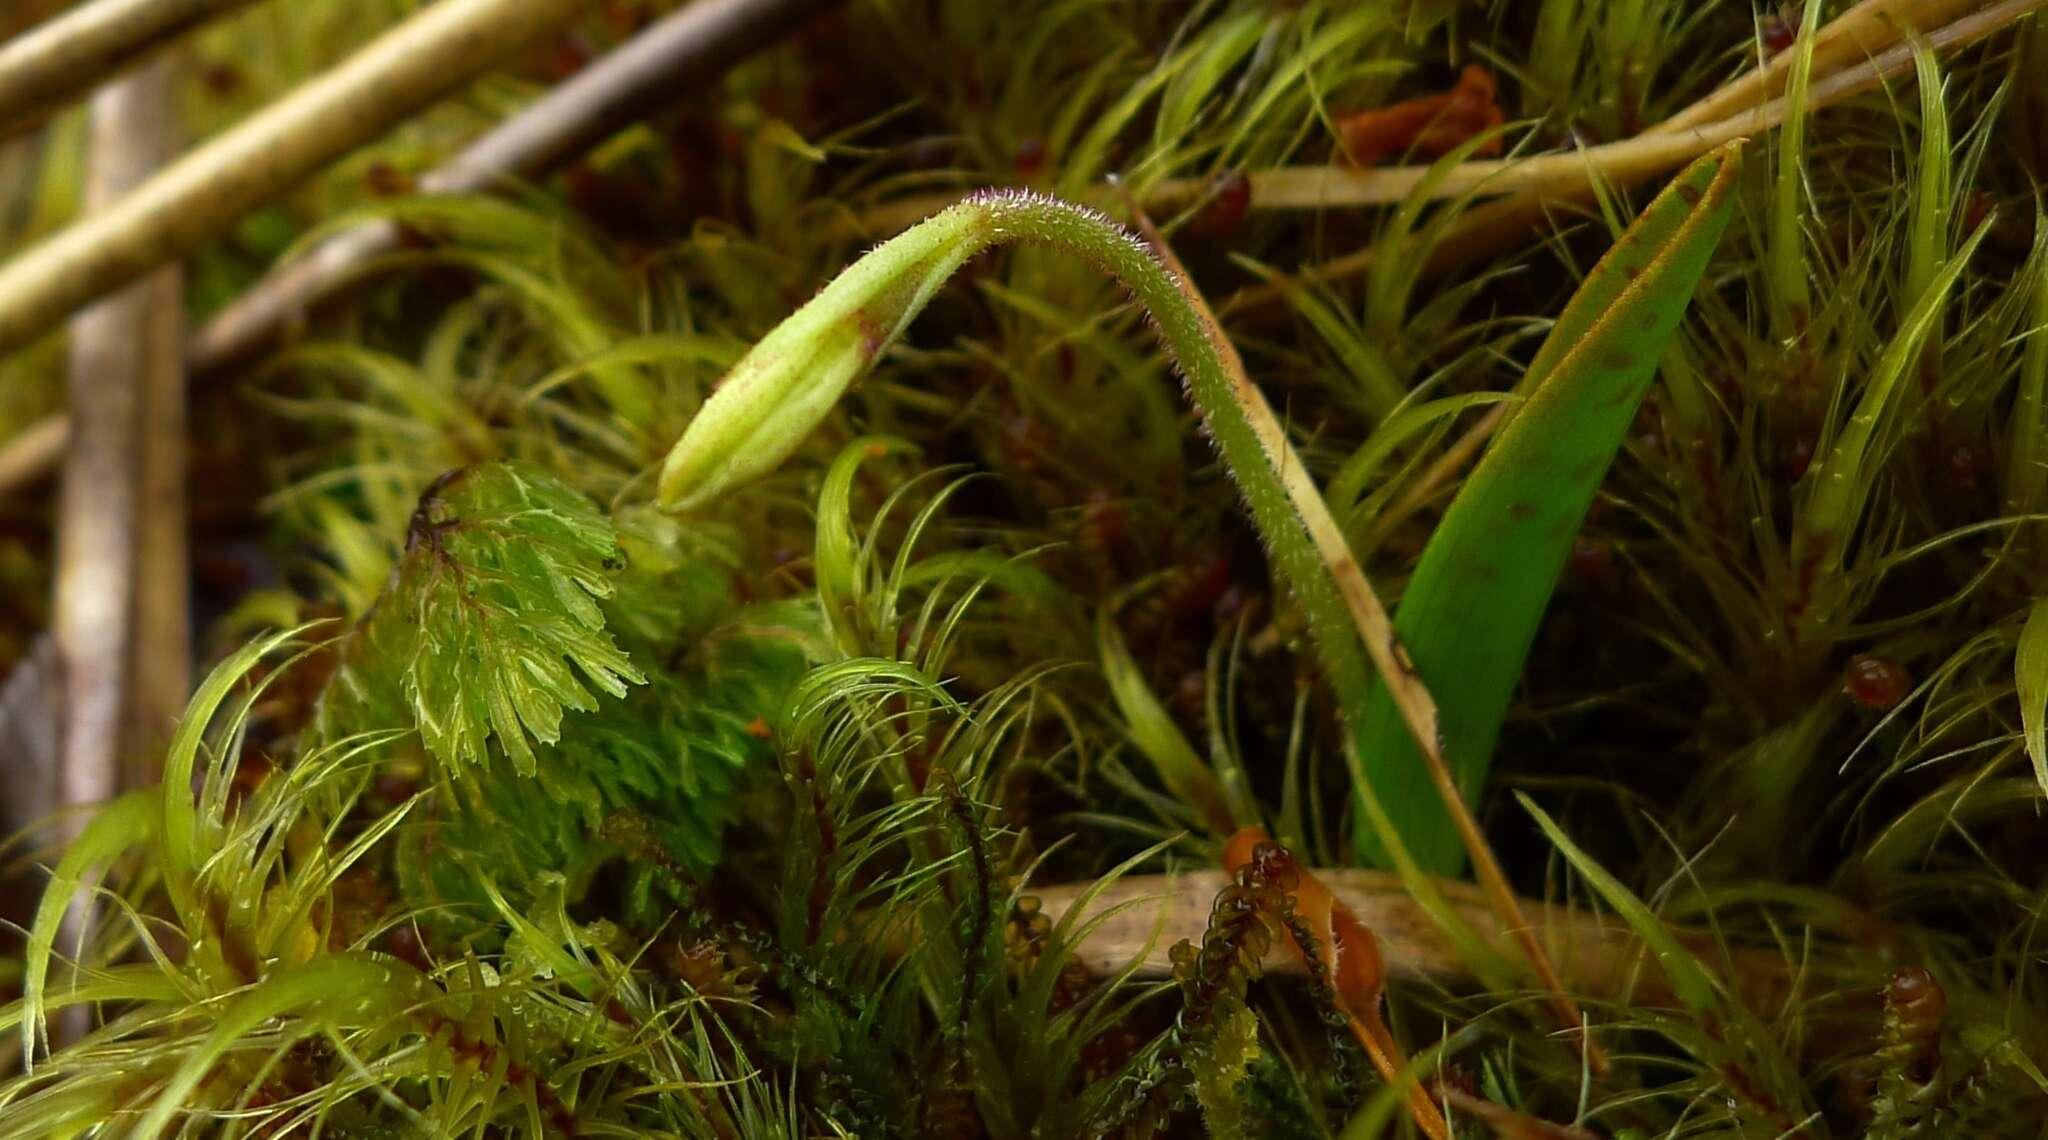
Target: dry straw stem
<point x="682" y="49"/>
<point x="1856" y="35"/>
<point x="1624" y="162"/>
<point x="1376" y="629"/>
<point x="1853" y="53"/>
<point x="1143" y="916"/>
<point x="444" y="46"/>
<point x="46" y="67"/>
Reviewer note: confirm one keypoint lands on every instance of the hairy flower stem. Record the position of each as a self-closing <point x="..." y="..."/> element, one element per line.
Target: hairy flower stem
<point x="1202" y="354"/>
<point x="782" y="389"/>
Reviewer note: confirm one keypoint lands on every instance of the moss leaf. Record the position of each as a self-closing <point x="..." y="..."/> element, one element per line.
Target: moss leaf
<point x="494" y="602"/>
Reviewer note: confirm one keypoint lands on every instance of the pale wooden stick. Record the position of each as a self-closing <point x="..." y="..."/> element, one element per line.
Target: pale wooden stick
<point x="50" y="64"/>
<point x="194" y="199"/>
<point x="125" y="368"/>
<point x="118" y="349"/>
<point x="160" y="649"/>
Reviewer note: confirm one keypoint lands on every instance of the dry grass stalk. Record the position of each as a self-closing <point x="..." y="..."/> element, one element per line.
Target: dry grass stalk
<point x="1626" y="161"/>
<point x="1863" y="31"/>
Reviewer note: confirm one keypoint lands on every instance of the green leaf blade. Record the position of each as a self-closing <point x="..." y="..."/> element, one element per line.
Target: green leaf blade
<point x="1479" y="592"/>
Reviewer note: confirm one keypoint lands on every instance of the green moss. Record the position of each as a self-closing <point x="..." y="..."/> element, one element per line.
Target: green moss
<point x="590" y="818"/>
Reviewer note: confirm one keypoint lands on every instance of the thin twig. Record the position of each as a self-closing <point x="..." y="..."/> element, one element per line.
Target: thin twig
<point x="49" y="65"/>
<point x="196" y="198"/>
<point x="682" y="49"/>
<point x="1397" y="672"/>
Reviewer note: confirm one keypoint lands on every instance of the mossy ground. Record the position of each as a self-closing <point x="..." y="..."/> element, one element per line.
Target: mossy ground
<point x="772" y="891"/>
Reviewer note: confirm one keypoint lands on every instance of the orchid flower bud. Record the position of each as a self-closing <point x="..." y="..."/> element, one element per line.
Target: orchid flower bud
<point x="787" y="383"/>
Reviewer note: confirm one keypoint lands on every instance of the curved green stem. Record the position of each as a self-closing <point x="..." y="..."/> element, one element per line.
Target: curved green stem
<point x="783" y="388"/>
